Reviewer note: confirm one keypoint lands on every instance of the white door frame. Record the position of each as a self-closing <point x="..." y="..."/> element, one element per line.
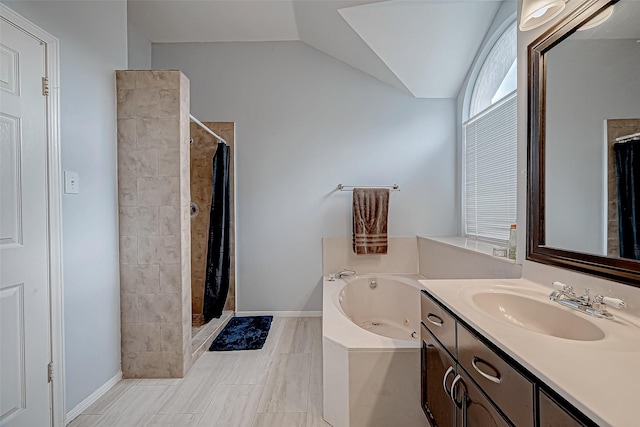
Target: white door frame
<point x="54" y="204"/>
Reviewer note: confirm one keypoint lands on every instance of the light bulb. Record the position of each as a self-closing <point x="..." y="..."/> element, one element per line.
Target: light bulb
<point x="538" y="13"/>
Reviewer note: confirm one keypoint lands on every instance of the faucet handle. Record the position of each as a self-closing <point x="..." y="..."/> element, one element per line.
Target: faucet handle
<point x="562" y="287"/>
<point x="600" y="302"/>
<point x="615" y="302"/>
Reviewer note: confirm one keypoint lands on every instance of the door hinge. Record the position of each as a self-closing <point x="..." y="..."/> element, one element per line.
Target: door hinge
<point x="45" y="86"/>
<point x="50" y="372"/>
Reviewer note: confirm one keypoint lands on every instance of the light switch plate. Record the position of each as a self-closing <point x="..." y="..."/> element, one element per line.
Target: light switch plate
<point x="71" y="182"/>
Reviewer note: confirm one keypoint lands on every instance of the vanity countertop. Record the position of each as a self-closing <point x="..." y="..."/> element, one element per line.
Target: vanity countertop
<point x="601" y="377"/>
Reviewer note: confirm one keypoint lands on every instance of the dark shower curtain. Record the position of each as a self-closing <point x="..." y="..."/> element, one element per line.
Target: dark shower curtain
<point x="216" y="285"/>
<point x="628" y="179"/>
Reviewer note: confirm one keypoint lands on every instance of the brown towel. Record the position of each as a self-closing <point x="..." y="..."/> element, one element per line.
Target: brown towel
<point x="370" y="210"/>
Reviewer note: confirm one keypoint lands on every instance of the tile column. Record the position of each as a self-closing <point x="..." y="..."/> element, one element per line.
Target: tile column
<point x="154" y="197"/>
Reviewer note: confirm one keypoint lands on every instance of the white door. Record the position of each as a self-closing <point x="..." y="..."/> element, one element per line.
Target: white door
<point x="25" y="399"/>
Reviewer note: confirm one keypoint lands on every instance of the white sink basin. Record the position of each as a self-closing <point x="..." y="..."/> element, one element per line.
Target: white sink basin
<point x="536" y="315"/>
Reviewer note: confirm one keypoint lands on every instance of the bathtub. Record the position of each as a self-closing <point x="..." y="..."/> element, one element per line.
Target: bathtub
<point x="371" y="351"/>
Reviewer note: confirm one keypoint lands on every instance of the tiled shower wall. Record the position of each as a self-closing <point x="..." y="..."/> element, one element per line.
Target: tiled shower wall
<point x="615" y="129"/>
<point x="153" y="192"/>
<point x="203" y="148"/>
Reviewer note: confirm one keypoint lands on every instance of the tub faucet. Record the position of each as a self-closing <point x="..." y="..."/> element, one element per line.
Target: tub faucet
<point x="341" y="274"/>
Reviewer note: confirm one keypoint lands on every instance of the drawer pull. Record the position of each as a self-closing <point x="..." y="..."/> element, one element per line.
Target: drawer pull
<point x="493" y="378"/>
<point x="444" y="380"/>
<point x="454" y="393"/>
<point x="438" y="322"/>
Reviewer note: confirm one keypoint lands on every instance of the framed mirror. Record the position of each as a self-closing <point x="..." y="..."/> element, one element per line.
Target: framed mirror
<point x="583" y="121"/>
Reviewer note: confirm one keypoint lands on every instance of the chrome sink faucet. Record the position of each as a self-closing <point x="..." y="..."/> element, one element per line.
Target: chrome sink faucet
<point x="596" y="306"/>
<point x="565" y="291"/>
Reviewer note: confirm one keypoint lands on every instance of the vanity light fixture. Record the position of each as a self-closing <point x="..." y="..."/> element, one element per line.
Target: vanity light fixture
<point x="598" y="19"/>
<point x="537" y="12"/>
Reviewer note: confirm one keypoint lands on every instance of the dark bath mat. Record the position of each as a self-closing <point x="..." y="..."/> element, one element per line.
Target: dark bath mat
<point x="243" y="333"/>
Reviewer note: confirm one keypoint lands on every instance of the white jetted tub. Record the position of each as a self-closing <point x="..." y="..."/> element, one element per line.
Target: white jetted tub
<point x="371" y="351"/>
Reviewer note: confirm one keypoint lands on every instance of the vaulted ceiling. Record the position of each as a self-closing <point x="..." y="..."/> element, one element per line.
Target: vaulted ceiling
<point x="421" y="47"/>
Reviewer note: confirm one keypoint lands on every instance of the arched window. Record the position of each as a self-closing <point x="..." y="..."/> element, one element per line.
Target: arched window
<point x="490" y="138"/>
<point x="498" y="75"/>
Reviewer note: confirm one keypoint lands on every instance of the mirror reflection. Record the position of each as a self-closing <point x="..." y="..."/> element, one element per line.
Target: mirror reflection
<point x="592" y="155"/>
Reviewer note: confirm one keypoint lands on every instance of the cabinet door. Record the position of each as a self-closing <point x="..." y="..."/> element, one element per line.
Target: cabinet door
<point x="436" y="403"/>
<point x="474" y="409"/>
<point x="553" y="415"/>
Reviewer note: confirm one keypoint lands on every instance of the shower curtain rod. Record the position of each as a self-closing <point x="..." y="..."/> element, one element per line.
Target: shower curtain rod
<point x="199" y="123"/>
<point x="628" y="137"/>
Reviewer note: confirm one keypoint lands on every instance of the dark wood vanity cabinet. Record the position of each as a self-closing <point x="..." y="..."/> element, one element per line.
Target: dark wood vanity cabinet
<point x="475" y="409"/>
<point x="436" y="365"/>
<point x="503" y="383"/>
<point x="440" y="323"/>
<point x="553" y="414"/>
<point x="467" y="383"/>
<point x="449" y="397"/>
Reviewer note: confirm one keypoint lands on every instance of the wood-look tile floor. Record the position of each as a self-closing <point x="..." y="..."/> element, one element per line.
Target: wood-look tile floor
<point x="277" y="386"/>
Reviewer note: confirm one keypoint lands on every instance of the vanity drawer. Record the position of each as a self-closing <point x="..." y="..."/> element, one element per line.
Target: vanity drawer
<point x="441" y="324"/>
<point x="510" y="391"/>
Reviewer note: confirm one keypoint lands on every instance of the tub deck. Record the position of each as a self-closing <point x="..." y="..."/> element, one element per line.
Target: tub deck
<point x="371" y="380"/>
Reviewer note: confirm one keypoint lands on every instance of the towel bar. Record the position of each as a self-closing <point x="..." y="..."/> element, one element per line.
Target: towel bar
<point x="394" y="187"/>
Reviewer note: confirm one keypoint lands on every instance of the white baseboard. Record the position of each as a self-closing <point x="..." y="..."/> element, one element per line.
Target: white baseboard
<point x="280" y="313"/>
<point x="92" y="398"/>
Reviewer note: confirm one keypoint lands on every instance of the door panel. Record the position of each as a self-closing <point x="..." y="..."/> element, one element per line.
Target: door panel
<point x="9" y="75"/>
<point x="476" y="410"/>
<point x="10" y="181"/>
<point x="25" y="393"/>
<point x="13" y="375"/>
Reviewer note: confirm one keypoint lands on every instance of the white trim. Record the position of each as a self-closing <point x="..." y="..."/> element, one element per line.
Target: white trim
<point x="280" y="313"/>
<point x="92" y="398"/>
<point x="55" y="208"/>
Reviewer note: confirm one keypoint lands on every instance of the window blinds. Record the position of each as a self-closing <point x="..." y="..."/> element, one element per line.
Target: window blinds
<point x="490" y="189"/>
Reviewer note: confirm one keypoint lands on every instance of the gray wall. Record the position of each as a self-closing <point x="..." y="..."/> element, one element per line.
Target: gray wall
<point x="139" y="49"/>
<point x="306" y="122"/>
<point x="588" y="81"/>
<point x="93" y="43"/>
